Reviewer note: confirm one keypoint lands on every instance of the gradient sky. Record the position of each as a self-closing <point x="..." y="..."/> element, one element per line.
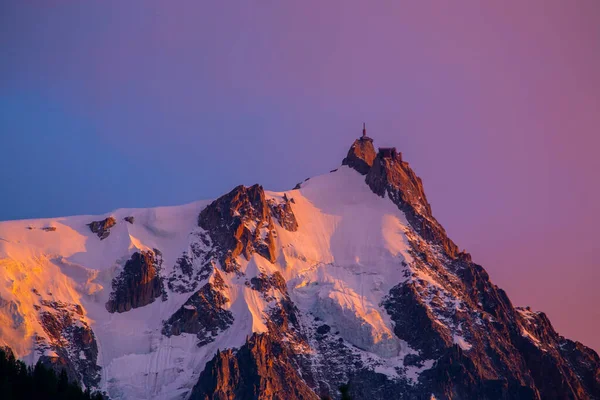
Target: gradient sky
<point x="496" y="105"/>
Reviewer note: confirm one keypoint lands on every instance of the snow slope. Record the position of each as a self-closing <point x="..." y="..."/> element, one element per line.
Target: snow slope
<point x="350" y="249"/>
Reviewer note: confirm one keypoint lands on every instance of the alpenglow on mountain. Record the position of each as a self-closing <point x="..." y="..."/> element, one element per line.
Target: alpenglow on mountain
<point x="347" y="279"/>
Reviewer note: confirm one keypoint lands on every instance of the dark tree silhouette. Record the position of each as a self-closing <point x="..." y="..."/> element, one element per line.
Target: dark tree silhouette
<point x="19" y="382"/>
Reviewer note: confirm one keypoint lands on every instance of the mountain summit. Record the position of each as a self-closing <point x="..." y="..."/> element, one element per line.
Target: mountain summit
<point x="348" y="279"/>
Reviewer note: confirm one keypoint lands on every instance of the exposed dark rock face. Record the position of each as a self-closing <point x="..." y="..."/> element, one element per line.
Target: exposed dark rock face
<point x="202" y="314"/>
<point x="129" y="219"/>
<point x="584" y="362"/>
<point x="262" y="369"/>
<point x="49" y="228"/>
<point x="482" y="346"/>
<point x="415" y="323"/>
<point x="71" y="340"/>
<point x="240" y="223"/>
<point x="102" y="228"/>
<point x="138" y="284"/>
<point x="284" y="214"/>
<point x="361" y="155"/>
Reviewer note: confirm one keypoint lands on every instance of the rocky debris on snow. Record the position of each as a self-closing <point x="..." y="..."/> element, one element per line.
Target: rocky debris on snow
<point x="264" y="283"/>
<point x="129" y="219"/>
<point x="138" y="284"/>
<point x="102" y="228"/>
<point x="195" y="264"/>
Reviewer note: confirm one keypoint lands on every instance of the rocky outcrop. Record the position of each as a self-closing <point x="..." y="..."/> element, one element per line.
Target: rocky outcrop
<point x="203" y="314"/>
<point x="129" y="219"/>
<point x="262" y="369"/>
<point x="284" y="214"/>
<point x="138" y="284"/>
<point x="361" y="155"/>
<point x="239" y="223"/>
<point x="69" y="344"/>
<point x="102" y="228"/>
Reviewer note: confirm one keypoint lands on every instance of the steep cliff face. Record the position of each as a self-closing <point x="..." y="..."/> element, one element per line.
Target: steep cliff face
<point x="346" y="280"/>
<point x="138" y="284"/>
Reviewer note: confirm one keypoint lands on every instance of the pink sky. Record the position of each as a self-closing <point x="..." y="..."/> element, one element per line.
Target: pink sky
<point x="495" y="104"/>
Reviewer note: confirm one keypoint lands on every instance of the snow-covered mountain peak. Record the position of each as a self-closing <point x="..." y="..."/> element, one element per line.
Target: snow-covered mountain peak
<point x="346" y="279"/>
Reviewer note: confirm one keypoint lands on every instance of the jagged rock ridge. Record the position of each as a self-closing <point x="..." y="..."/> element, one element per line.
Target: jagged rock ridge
<point x="240" y="224"/>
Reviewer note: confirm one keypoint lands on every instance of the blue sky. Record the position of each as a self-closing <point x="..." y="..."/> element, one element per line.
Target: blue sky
<point x="495" y="105"/>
